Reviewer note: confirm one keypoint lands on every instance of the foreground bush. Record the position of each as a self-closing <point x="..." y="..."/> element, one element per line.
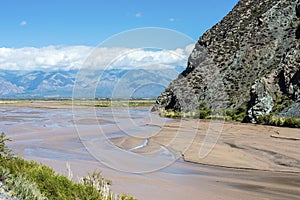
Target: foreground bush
<point x="31" y="180"/>
<point x="5" y="152"/>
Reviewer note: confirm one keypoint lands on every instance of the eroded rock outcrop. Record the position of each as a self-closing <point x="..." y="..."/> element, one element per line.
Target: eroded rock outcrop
<point x="261" y="102"/>
<point x="251" y="59"/>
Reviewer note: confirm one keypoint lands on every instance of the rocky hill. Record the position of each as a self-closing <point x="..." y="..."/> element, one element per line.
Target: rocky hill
<point x="250" y="61"/>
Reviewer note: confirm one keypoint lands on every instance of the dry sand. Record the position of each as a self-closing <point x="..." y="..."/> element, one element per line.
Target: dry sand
<point x="245" y="146"/>
<point x="260" y="162"/>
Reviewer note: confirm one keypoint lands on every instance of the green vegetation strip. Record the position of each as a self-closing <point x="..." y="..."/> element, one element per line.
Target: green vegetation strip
<point x="96" y="103"/>
<point x="206" y="113"/>
<point x="232" y="115"/>
<point x="114" y="103"/>
<point x="274" y="120"/>
<point x="33" y="181"/>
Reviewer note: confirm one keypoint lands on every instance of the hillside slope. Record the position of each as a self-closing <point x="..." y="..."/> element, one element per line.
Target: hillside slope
<point x="248" y="61"/>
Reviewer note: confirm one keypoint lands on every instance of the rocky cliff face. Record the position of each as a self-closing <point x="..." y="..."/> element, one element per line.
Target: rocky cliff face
<point x="250" y="59"/>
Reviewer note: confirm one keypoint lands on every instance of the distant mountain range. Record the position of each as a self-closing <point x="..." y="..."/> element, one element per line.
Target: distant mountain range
<point x="134" y="83"/>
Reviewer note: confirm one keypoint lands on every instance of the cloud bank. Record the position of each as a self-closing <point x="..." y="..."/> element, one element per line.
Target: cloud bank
<point x="74" y="57"/>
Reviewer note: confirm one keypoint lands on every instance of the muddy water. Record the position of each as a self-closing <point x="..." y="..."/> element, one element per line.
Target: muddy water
<point x="81" y="137"/>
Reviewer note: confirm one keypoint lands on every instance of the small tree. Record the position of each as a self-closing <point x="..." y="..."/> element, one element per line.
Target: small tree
<point x="5" y="152"/>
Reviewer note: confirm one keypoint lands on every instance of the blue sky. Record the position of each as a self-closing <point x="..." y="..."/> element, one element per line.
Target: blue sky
<point x="37" y="23"/>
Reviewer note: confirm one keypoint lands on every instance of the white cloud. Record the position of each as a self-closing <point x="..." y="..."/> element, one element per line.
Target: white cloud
<point x="75" y="57"/>
<point x="50" y="57"/>
<point x="23" y="23"/>
<point x="138" y="15"/>
<point x="172" y="20"/>
<point x="140" y="58"/>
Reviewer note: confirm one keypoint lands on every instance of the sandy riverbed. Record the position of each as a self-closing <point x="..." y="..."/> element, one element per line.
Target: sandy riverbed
<point x="47" y="133"/>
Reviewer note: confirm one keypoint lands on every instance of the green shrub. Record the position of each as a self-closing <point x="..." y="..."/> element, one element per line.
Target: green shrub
<point x="229" y="113"/>
<point x="292" y="122"/>
<point x="172" y="114"/>
<point x="281" y="103"/>
<point x="274" y="120"/>
<point x="238" y="114"/>
<point x="4" y="174"/>
<point x="97" y="181"/>
<point x="264" y="119"/>
<point x="228" y="118"/>
<point x="202" y="114"/>
<point x="5" y="152"/>
<point x="204" y="111"/>
<point x="239" y="117"/>
<point x="20" y="186"/>
<point x="218" y="117"/>
<point x="125" y="197"/>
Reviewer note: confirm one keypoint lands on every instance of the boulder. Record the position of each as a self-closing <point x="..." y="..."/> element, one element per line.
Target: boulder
<point x="261" y="102"/>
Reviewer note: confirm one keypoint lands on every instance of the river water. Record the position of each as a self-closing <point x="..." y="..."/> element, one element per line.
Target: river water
<point x="116" y="142"/>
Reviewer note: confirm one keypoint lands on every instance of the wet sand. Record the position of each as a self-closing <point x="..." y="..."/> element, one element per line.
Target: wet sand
<point x="50" y="136"/>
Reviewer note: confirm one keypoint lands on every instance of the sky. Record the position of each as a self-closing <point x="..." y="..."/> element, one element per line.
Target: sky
<point x="39" y="23"/>
<point x="55" y="32"/>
